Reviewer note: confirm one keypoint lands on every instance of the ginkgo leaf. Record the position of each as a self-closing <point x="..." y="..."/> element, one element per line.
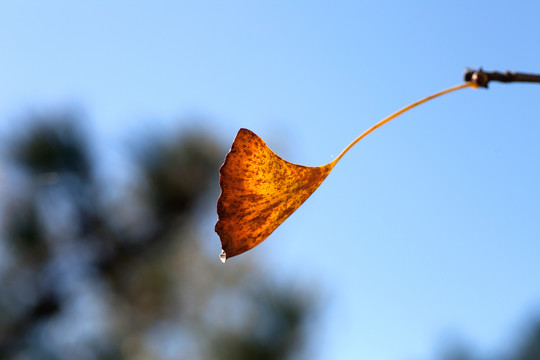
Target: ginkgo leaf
<point x="259" y="190"/>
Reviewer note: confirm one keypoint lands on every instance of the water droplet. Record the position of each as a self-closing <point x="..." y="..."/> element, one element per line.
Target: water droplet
<point x="223" y="256"/>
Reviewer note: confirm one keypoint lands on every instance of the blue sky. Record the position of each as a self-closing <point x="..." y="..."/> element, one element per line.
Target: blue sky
<point x="428" y="230"/>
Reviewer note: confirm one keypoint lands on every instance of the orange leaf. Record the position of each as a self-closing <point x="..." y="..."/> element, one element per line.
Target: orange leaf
<point x="259" y="190"/>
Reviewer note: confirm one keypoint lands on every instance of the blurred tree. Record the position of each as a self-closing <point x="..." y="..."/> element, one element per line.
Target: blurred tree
<point x="89" y="271"/>
<point x="527" y="348"/>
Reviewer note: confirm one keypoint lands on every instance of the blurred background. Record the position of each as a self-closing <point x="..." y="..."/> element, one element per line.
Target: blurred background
<point x="423" y="243"/>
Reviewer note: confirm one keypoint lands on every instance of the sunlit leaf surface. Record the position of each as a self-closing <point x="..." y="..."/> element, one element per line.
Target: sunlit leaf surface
<point x="259" y="191"/>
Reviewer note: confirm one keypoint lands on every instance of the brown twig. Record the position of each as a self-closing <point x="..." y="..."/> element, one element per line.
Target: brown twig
<point x="482" y="78"/>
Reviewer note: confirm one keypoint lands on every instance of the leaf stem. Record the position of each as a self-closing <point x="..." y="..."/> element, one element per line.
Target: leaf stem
<point x="399" y="112"/>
